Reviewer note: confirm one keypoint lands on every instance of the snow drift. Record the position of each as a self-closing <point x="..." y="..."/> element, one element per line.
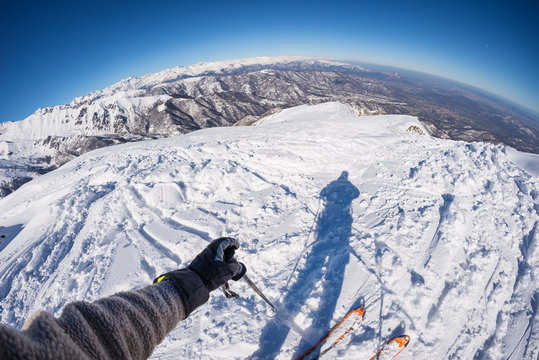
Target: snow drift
<point x="436" y="238"/>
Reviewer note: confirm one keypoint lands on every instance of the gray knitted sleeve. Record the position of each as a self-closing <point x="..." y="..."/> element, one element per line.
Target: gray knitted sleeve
<point x="127" y="325"/>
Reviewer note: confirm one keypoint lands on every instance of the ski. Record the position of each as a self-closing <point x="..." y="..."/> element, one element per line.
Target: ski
<point x="392" y="348"/>
<point x="338" y="332"/>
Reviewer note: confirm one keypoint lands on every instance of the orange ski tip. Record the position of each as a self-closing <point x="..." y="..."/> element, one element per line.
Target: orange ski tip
<point x="361" y="310"/>
<point x="402" y="340"/>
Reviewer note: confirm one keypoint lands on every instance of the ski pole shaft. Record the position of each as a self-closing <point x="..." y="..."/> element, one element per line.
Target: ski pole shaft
<point x="284" y="319"/>
<point x="257" y="290"/>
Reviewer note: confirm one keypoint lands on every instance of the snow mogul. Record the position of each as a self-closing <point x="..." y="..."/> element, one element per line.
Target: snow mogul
<point x="127" y="325"/>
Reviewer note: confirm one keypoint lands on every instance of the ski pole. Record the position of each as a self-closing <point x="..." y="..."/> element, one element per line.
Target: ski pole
<point x="284" y="319"/>
<point x="231" y="294"/>
<point x="257" y="290"/>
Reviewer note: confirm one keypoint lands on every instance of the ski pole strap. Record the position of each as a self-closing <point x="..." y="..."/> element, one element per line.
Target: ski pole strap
<point x="229" y="293"/>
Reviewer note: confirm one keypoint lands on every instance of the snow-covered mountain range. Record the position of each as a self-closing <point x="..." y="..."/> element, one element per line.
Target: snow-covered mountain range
<point x="184" y="99"/>
<point x="436" y="238"/>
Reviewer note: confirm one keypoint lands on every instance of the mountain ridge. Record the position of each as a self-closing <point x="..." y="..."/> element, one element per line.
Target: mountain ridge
<point x="183" y="99"/>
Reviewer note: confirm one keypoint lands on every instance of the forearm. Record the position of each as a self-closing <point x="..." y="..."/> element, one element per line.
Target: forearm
<point x="127" y="325"/>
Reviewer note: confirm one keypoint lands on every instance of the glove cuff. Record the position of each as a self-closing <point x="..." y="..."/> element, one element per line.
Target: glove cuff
<point x="189" y="286"/>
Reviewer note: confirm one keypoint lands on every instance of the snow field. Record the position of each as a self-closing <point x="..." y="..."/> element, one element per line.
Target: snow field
<point x="436" y="238"/>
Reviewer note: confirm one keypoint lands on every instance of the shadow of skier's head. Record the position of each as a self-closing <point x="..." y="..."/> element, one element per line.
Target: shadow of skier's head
<point x="337" y="196"/>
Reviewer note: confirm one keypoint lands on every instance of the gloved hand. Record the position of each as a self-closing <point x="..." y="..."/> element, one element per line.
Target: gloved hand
<point x="216" y="264"/>
<point x="210" y="269"/>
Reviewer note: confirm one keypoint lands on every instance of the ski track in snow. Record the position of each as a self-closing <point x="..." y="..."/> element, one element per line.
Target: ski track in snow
<point x="436" y="238"/>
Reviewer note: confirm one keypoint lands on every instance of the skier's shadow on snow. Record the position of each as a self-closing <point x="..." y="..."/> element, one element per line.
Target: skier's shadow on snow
<point x="322" y="274"/>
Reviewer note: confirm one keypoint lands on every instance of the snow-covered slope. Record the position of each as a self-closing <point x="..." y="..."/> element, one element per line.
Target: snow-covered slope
<point x="438" y="239"/>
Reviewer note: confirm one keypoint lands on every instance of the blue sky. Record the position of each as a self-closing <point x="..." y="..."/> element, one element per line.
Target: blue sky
<point x="54" y="51"/>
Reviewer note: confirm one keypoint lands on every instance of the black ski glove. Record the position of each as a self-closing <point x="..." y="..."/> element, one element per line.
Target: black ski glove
<point x="210" y="269"/>
<point x="216" y="264"/>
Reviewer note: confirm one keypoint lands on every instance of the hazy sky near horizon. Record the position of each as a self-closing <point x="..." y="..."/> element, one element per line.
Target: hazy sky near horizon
<point x="54" y="51"/>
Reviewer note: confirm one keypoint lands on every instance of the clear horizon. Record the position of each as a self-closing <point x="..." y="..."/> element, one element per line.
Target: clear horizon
<point x="53" y="53"/>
